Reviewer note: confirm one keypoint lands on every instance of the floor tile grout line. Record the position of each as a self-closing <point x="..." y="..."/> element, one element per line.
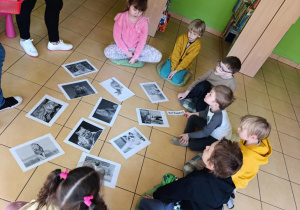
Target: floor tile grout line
<point x="26" y="183"/>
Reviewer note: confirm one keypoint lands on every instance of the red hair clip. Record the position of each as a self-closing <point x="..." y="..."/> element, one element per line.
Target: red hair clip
<point x="87" y="200"/>
<point x="63" y="175"/>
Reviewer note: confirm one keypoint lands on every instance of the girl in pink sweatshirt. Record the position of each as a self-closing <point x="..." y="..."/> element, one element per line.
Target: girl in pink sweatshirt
<point x="130" y="35"/>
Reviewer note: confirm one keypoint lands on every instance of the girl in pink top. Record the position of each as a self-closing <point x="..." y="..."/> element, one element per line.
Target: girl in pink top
<point x="130" y="35"/>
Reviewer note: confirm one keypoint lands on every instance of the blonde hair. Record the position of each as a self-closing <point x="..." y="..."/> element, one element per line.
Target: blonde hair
<point x="256" y="125"/>
<point x="197" y="26"/>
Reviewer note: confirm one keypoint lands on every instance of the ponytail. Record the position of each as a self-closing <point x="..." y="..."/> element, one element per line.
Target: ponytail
<point x="46" y="196"/>
<point x="98" y="204"/>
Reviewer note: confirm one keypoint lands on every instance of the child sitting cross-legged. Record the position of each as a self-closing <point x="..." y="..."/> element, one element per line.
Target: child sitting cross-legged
<point x="206" y="188"/>
<point x="213" y="122"/>
<point x="192" y="98"/>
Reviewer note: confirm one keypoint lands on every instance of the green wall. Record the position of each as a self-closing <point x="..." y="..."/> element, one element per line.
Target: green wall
<point x="289" y="46"/>
<point x="215" y="13"/>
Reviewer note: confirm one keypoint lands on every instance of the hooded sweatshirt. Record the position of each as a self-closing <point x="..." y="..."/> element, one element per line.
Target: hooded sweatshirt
<point x="129" y="35"/>
<point x="198" y="190"/>
<point x="253" y="157"/>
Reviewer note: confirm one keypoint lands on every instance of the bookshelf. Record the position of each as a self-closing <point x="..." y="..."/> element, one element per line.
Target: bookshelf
<point x="242" y="12"/>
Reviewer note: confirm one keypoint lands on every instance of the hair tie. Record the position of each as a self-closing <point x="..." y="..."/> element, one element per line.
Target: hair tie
<point x="87" y="200"/>
<point x="63" y="175"/>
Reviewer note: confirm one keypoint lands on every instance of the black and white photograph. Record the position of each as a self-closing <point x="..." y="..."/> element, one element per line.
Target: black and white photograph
<point x="117" y="89"/>
<point x="84" y="135"/>
<point x="181" y="112"/>
<point x="79" y="68"/>
<point x="77" y="89"/>
<point x="36" y="152"/>
<point x="154" y="92"/>
<point x="109" y="169"/>
<point x="130" y="142"/>
<point x="105" y="112"/>
<point x="47" y="110"/>
<point x="152" y="117"/>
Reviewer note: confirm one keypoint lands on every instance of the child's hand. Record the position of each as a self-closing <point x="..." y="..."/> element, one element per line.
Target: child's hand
<point x="187" y="114"/>
<point x="184" y="138"/>
<point x="181" y="96"/>
<point x="148" y="196"/>
<point x="129" y="54"/>
<point x="132" y="61"/>
<point x="172" y="74"/>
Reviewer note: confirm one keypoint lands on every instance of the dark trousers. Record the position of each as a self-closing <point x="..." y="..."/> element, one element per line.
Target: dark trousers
<point x="53" y="8"/>
<point x="199" y="92"/>
<point x="198" y="144"/>
<point x="155" y="204"/>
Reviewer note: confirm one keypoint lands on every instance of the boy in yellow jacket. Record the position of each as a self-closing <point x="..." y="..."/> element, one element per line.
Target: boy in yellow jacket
<point x="256" y="149"/>
<point x="185" y="50"/>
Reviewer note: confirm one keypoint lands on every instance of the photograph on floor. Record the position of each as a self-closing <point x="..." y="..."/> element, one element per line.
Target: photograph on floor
<point x="181" y="112"/>
<point x="154" y="92"/>
<point x="117" y="89"/>
<point x="130" y="142"/>
<point x="77" y="89"/>
<point x="80" y="68"/>
<point x="152" y="117"/>
<point x="47" y="110"/>
<point x="36" y="152"/>
<point x="105" y="112"/>
<point x="109" y="169"/>
<point x="84" y="135"/>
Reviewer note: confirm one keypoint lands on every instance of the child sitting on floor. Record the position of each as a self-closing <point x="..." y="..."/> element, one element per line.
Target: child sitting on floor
<point x="185" y="50"/>
<point x="78" y="189"/>
<point x="209" y="187"/>
<point x="213" y="122"/>
<point x="192" y="98"/>
<point x="130" y="34"/>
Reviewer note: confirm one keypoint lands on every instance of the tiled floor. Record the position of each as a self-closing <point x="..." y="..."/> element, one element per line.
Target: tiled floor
<point x="273" y="93"/>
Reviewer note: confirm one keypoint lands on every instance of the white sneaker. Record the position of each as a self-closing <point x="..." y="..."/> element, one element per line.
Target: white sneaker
<point x="28" y="47"/>
<point x="60" y="46"/>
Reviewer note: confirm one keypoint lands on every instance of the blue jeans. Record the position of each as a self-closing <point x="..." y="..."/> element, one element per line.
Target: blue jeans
<point x="155" y="204"/>
<point x="166" y="70"/>
<point x="2" y="57"/>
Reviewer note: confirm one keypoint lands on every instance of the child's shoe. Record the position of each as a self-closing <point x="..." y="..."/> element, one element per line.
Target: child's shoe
<point x="11" y="102"/>
<point x="175" y="141"/>
<point x="29" y="48"/>
<point x="59" y="46"/>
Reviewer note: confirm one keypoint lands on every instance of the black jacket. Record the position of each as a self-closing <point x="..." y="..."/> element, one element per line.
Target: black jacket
<point x="198" y="190"/>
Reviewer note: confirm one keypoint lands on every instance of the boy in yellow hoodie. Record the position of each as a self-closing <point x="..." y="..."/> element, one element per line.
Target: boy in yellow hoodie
<point x="256" y="149"/>
<point x="185" y="50"/>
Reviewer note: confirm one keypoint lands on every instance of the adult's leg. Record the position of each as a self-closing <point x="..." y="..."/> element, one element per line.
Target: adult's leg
<point x="155" y="204"/>
<point x="193" y="122"/>
<point x="166" y="69"/>
<point x="23" y="19"/>
<point x="53" y="8"/>
<point x="199" y="91"/>
<point x="2" y="57"/>
<point x="114" y="52"/>
<point x="15" y="205"/>
<point x="201" y="143"/>
<point x="150" y="55"/>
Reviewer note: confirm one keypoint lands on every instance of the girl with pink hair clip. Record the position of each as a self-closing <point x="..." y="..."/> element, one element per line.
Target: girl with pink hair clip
<point x="65" y="191"/>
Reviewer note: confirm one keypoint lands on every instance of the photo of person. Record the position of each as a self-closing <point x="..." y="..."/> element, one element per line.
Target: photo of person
<point x="47" y="110"/>
<point x="105" y="112"/>
<point x="117" y="89"/>
<point x="84" y="135"/>
<point x="79" y="68"/>
<point x="130" y="142"/>
<point x="109" y="169"/>
<point x="154" y="92"/>
<point x="152" y="117"/>
<point x="77" y="89"/>
<point x="36" y="152"/>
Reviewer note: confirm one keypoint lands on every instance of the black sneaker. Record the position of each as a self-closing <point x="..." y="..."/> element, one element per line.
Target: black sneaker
<point x="11" y="102"/>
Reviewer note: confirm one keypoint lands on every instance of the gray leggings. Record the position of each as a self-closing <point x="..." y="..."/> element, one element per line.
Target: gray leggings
<point x="149" y="54"/>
